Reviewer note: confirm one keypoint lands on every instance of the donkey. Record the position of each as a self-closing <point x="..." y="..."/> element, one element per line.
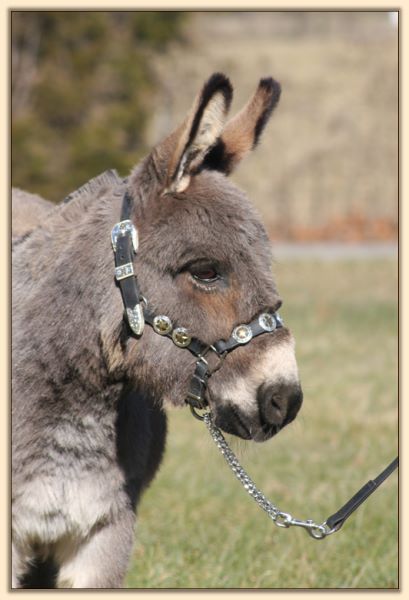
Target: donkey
<point x="90" y="382"/>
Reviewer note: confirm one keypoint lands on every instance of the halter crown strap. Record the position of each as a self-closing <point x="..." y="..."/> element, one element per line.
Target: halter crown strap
<point x="126" y="208"/>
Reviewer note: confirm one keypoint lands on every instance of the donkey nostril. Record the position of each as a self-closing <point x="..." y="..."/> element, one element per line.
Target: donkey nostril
<point x="279" y="403"/>
<point x="277" y="410"/>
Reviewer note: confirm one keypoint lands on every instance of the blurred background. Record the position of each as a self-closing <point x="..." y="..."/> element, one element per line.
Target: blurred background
<point x="95" y="90"/>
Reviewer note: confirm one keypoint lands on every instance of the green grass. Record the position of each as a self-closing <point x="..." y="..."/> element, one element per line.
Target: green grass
<point x="198" y="529"/>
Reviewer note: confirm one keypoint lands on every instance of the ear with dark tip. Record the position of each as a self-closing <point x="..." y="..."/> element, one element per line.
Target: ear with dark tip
<point x="183" y="152"/>
<point x="243" y="131"/>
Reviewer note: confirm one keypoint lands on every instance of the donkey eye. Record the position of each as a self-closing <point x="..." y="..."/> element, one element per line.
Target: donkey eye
<point x="207" y="275"/>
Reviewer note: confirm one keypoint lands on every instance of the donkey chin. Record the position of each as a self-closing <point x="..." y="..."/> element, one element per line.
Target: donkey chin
<point x="258" y="404"/>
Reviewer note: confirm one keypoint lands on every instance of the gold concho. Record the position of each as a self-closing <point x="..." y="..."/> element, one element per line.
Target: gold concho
<point x="181" y="337"/>
<point x="162" y="324"/>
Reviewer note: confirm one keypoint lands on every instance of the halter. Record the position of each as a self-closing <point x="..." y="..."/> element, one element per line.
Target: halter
<point x="125" y="242"/>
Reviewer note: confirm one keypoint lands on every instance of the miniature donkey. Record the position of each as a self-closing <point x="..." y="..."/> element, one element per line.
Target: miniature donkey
<point x="88" y="394"/>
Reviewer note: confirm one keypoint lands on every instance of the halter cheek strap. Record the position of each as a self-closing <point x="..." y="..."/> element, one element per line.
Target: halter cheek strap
<point x="125" y="242"/>
<point x="124" y="238"/>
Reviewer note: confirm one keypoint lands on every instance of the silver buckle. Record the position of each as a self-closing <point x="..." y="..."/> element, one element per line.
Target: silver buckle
<point x="123" y="228"/>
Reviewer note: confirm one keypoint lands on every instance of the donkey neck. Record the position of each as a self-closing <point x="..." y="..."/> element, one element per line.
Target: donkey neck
<point x="64" y="272"/>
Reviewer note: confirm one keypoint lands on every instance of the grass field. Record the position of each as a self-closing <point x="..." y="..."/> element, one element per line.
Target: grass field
<point x="198" y="529"/>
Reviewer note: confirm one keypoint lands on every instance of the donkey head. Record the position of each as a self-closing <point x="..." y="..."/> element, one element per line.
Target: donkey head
<point x="204" y="260"/>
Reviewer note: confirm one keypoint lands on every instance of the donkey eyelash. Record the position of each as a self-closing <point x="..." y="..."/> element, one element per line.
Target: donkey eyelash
<point x="200" y="280"/>
<point x="205" y="275"/>
<point x="203" y="266"/>
<point x="205" y="287"/>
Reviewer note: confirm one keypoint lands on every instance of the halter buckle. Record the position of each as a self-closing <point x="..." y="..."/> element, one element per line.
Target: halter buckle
<point x="220" y="357"/>
<point x="195" y="400"/>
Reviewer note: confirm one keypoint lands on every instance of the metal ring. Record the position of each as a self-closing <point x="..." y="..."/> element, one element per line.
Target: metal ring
<point x="318" y="532"/>
<point x="196" y="414"/>
<point x="283" y="519"/>
<point x="329" y="531"/>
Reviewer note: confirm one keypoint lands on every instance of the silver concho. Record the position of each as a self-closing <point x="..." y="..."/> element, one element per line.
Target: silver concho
<point x="122" y="228"/>
<point x="267" y="321"/>
<point x="242" y="334"/>
<point x="181" y="337"/>
<point x="162" y="324"/>
<point x="279" y="319"/>
<point x="136" y="319"/>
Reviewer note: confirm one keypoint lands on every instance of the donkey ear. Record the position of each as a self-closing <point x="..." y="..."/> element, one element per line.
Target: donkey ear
<point x="188" y="146"/>
<point x="242" y="132"/>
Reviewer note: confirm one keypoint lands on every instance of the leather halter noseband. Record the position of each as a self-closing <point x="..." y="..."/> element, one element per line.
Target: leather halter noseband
<point x="124" y="238"/>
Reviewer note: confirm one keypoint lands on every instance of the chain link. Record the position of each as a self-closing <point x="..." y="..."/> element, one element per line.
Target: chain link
<point x="279" y="518"/>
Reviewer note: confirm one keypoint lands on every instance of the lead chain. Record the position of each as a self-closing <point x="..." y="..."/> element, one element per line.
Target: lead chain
<point x="280" y="518"/>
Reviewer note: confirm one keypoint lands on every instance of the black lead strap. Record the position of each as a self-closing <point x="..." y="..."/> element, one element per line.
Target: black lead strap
<point x="336" y="520"/>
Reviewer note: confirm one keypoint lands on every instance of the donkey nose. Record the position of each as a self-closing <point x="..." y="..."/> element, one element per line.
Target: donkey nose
<point x="279" y="403"/>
